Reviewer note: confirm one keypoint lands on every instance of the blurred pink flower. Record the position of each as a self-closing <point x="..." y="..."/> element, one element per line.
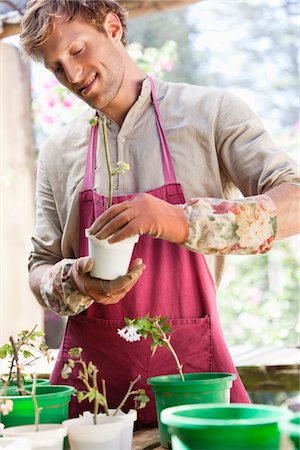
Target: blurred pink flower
<point x="255" y="296"/>
<point x="51" y="103"/>
<point x="68" y="101"/>
<point x="48" y="119"/>
<point x="51" y="83"/>
<point x="169" y="65"/>
<point x="297" y="125"/>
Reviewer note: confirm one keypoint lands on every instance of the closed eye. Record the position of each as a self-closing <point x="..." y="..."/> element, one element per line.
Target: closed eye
<point x="78" y="52"/>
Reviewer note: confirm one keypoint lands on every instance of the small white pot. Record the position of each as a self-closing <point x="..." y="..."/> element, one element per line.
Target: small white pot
<point x="49" y="437"/>
<point x="15" y="443"/>
<point x="127" y="431"/>
<point x="111" y="260"/>
<point x="84" y="435"/>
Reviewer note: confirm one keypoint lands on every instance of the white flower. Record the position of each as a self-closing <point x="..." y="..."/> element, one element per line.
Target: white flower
<point x="6" y="407"/>
<point x="129" y="333"/>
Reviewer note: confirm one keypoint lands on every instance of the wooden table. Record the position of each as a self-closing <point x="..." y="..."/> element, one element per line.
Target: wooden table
<point x="147" y="439"/>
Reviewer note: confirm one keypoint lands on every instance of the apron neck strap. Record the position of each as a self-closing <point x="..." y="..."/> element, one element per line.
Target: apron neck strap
<point x="168" y="169"/>
<point x="90" y="166"/>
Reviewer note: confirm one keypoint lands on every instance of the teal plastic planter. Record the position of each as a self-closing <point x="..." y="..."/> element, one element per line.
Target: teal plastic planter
<point x="291" y="427"/>
<point x="224" y="427"/>
<point x="53" y="399"/>
<point x="203" y="387"/>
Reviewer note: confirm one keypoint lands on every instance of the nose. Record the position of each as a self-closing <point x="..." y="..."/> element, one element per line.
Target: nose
<point x="73" y="72"/>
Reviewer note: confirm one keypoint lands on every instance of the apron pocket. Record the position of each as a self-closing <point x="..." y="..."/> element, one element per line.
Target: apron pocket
<point x="192" y="342"/>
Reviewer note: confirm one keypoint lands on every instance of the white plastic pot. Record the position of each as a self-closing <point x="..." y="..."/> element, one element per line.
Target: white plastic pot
<point x="84" y="435"/>
<point x="15" y="443"/>
<point x="127" y="431"/>
<point x="111" y="260"/>
<point x="49" y="437"/>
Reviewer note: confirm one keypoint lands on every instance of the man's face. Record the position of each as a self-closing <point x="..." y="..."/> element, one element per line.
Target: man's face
<point x="84" y="60"/>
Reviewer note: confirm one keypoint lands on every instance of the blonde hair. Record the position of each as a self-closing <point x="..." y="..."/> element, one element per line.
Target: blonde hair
<point x="37" y="22"/>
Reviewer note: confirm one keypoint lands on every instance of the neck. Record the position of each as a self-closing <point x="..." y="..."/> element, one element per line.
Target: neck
<point x="127" y="95"/>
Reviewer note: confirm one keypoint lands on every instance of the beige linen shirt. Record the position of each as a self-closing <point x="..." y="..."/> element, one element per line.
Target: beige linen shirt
<point x="218" y="146"/>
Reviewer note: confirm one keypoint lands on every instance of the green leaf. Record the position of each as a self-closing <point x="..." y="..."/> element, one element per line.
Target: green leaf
<point x="75" y="352"/>
<point x="3" y="353"/>
<point x="91" y="368"/>
<point x="100" y="398"/>
<point x="163" y="320"/>
<point x="66" y="371"/>
<point x="91" y="395"/>
<point x="81" y="396"/>
<point x="94" y="121"/>
<point x="153" y="347"/>
<point x="39" y="333"/>
<point x="27" y="354"/>
<point x="71" y="363"/>
<point x="43" y="347"/>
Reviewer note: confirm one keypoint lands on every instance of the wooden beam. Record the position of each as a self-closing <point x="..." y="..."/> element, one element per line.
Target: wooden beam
<point x="135" y="7"/>
<point x="142" y="7"/>
<point x="9" y="29"/>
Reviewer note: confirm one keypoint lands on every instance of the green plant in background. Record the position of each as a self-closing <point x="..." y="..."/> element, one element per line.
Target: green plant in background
<point x="157" y="329"/>
<point x="88" y="375"/>
<point x="155" y="61"/>
<point x="264" y="305"/>
<point x="23" y="351"/>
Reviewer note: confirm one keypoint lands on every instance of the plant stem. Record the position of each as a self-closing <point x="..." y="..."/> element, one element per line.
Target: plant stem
<point x="110" y="174"/>
<point x="128" y="393"/>
<point x="179" y="366"/>
<point x="37" y="410"/>
<point x="105" y="406"/>
<point x="96" y="401"/>
<point x="16" y="357"/>
<point x="169" y="346"/>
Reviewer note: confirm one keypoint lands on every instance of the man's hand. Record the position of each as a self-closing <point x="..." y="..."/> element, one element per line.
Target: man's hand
<point x="102" y="291"/>
<point x="143" y="214"/>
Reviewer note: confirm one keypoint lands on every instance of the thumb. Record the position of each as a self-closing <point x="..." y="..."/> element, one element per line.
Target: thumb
<point x="84" y="264"/>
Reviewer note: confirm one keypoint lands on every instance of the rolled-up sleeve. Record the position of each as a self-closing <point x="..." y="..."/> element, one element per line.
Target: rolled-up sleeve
<point x="47" y="235"/>
<point x="246" y="151"/>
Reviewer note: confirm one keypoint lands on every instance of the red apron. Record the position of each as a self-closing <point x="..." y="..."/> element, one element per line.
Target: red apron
<point x="176" y="283"/>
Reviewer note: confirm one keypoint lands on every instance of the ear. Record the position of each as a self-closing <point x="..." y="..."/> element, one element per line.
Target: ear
<point x="113" y="27"/>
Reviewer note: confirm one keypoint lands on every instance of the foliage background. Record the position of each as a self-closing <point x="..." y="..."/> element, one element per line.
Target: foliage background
<point x="249" y="48"/>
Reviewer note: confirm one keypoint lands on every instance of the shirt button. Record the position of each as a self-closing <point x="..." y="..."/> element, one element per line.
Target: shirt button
<point x="122" y="139"/>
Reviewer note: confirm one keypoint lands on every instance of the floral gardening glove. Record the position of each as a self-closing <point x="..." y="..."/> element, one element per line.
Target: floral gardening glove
<point x="244" y="226"/>
<point x="68" y="289"/>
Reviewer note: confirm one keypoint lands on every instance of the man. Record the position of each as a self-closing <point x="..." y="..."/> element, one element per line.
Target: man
<point x="182" y="142"/>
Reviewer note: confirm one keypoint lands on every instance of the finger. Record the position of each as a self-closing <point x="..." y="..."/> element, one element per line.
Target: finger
<point x="84" y="264"/>
<point x="121" y="294"/>
<point x="130" y="229"/>
<point x="115" y="224"/>
<point x="107" y="216"/>
<point x="116" y="297"/>
<point x="118" y="285"/>
<point x="137" y="262"/>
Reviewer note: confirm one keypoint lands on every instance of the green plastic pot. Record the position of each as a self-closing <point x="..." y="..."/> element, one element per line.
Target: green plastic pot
<point x="53" y="399"/>
<point x="224" y="427"/>
<point x="12" y="388"/>
<point x="204" y="387"/>
<point x="291" y="428"/>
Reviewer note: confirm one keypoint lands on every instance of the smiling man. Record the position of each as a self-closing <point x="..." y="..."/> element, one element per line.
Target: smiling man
<point x="192" y="151"/>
